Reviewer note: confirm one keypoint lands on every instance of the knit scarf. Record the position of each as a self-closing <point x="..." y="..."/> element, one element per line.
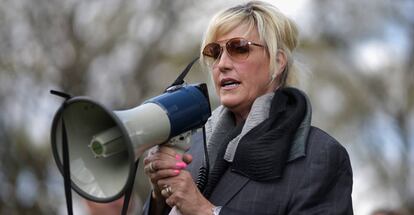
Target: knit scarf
<point x="263" y="151"/>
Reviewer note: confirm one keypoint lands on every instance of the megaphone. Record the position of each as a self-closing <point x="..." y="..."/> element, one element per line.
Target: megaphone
<point x="104" y="145"/>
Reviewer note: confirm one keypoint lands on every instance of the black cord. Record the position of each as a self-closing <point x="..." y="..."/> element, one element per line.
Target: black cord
<point x="202" y="177"/>
<point x="66" y="170"/>
<point x="65" y="155"/>
<point x="129" y="190"/>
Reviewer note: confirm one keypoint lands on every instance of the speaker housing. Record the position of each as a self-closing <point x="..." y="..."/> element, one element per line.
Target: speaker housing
<point x="104" y="179"/>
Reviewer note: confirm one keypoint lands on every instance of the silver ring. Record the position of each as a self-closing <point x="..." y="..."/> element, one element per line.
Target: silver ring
<point x="169" y="190"/>
<point x="151" y="168"/>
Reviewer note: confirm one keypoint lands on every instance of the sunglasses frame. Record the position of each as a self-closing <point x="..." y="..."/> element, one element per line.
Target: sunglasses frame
<point x="227" y="45"/>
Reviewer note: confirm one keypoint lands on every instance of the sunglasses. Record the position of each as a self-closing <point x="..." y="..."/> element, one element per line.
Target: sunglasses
<point x="237" y="48"/>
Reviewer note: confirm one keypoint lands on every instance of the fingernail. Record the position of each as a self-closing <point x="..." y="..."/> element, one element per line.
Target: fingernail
<point x="177" y="157"/>
<point x="181" y="165"/>
<point x="176" y="171"/>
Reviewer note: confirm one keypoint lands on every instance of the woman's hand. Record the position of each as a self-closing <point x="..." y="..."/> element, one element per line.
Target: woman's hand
<point x="163" y="162"/>
<point x="182" y="192"/>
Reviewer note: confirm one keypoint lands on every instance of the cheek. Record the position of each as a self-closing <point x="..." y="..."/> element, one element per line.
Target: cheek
<point x="256" y="76"/>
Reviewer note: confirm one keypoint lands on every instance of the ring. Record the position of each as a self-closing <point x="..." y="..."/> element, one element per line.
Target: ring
<point x="167" y="191"/>
<point x="151" y="168"/>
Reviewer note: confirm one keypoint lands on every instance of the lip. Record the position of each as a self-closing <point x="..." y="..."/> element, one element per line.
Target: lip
<point x="229" y="83"/>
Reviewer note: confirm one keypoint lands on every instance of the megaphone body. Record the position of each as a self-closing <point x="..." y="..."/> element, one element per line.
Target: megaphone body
<point x="104" y="145"/>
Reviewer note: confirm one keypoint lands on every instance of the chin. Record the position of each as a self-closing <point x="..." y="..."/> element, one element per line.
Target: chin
<point x="229" y="102"/>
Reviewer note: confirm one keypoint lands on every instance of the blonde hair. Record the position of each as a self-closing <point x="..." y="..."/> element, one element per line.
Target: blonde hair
<point x="277" y="31"/>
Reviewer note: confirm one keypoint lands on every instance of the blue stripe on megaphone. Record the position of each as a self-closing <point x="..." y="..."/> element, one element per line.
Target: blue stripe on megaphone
<point x="187" y="108"/>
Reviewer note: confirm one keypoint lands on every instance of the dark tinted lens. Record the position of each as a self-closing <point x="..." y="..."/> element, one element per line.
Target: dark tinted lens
<point x="238" y="48"/>
<point x="212" y="50"/>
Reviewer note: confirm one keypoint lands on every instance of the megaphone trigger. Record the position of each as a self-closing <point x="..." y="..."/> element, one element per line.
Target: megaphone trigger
<point x="180" y="143"/>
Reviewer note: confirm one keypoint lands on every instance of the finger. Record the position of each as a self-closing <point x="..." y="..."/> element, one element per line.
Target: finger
<point x="156" y="150"/>
<point x="163" y="174"/>
<point x="146" y="160"/>
<point x="170" y="201"/>
<point x="187" y="158"/>
<point x="168" y="150"/>
<point x="165" y="182"/>
<point x="153" y="150"/>
<point x="149" y="168"/>
<point x="150" y="154"/>
<point x="161" y="155"/>
<point x="156" y="165"/>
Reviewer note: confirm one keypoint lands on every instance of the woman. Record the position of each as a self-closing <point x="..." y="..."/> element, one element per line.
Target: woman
<point x="264" y="156"/>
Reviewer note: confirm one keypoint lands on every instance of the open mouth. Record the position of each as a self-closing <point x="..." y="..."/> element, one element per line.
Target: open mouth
<point x="229" y="83"/>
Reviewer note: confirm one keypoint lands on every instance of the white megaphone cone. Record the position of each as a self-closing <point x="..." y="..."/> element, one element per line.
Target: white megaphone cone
<point x="103" y="145"/>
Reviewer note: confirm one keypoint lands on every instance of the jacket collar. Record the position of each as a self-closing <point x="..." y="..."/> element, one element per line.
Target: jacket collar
<point x="298" y="148"/>
<point x="221" y="120"/>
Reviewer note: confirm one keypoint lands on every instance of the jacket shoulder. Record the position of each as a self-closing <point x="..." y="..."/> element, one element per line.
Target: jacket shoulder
<point x="323" y="139"/>
<point x="325" y="177"/>
<point x="322" y="147"/>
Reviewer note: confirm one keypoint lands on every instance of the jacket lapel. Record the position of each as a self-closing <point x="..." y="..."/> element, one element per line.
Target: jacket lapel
<point x="229" y="185"/>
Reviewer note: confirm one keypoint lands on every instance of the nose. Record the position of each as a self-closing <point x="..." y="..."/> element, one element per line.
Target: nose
<point x="224" y="62"/>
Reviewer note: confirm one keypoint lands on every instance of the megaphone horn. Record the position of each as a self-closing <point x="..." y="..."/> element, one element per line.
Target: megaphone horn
<point x="104" y="144"/>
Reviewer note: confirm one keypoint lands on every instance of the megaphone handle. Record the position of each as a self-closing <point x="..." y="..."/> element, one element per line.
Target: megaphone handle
<point x="128" y="191"/>
<point x="66" y="170"/>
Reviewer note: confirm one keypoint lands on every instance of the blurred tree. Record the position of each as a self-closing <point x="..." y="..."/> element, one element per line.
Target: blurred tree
<point x="122" y="51"/>
<point x="364" y="82"/>
<point x="105" y="49"/>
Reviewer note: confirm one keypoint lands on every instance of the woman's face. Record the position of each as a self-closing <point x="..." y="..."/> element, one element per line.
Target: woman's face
<point x="239" y="82"/>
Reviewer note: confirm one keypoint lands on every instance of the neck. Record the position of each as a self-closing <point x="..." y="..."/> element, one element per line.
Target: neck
<point x="240" y="113"/>
<point x="240" y="116"/>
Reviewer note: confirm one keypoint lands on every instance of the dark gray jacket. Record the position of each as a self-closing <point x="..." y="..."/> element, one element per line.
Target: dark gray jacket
<point x="317" y="179"/>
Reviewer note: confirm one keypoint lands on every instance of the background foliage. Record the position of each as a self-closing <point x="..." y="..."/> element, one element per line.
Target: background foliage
<point x="358" y="68"/>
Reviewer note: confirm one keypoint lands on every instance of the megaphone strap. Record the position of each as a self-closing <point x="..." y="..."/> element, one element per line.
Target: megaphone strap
<point x="129" y="190"/>
<point x="180" y="78"/>
<point x="67" y="180"/>
<point x="66" y="170"/>
<point x="65" y="156"/>
<point x="61" y="94"/>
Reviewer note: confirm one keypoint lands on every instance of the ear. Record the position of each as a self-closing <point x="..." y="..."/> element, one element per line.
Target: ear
<point x="281" y="63"/>
<point x="281" y="60"/>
